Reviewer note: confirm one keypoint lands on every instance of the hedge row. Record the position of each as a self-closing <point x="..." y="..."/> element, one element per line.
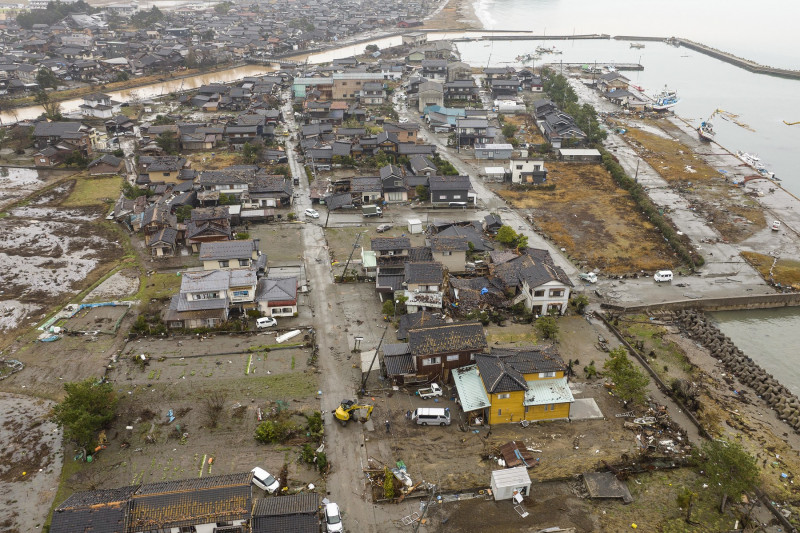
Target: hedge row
<point x="644" y="203"/>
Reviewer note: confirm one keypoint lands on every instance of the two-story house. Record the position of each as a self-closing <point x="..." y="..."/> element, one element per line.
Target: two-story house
<point x="450" y="251"/>
<point x="452" y="190"/>
<point x="277" y="296"/>
<point x="393" y="184"/>
<point x="372" y="93"/>
<point x="99" y="105"/>
<point x="69" y="136"/>
<point x="533" y="278"/>
<point x="461" y="90"/>
<point x="162" y="169"/>
<point x="434" y="69"/>
<point x="206" y="297"/>
<point x="471" y="131"/>
<point x="528" y="171"/>
<point x="226" y="255"/>
<point x="436" y="350"/>
<point x="430" y="93"/>
<point x="423" y="286"/>
<point x="505" y="87"/>
<point x="524" y="384"/>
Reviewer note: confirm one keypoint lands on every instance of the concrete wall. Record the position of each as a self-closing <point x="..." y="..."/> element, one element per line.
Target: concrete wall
<point x="733" y="303"/>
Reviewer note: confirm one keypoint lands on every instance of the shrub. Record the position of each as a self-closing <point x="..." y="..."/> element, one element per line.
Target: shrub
<point x="547" y="327"/>
<point x="388" y="484"/>
<point x="272" y="431"/>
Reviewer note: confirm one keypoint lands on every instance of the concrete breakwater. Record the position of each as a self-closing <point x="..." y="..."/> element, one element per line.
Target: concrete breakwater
<point x="778" y="397"/>
<point x="746" y="64"/>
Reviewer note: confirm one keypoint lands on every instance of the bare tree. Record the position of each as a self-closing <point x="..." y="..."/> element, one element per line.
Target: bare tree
<point x="213" y="406"/>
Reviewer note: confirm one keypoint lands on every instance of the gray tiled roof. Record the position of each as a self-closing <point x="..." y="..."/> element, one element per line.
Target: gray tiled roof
<point x="426" y="273"/>
<point x="503" y="370"/>
<point x="390" y="243"/>
<point x="399" y="364"/>
<point x="417" y="320"/>
<point x="455" y="337"/>
<point x="452" y="244"/>
<point x="303" y="502"/>
<point x="214" y="251"/>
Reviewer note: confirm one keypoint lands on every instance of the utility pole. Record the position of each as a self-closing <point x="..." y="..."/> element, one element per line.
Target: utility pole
<point x="636" y="177"/>
<point x="369" y="370"/>
<point x="425" y="511"/>
<point x="355" y="245"/>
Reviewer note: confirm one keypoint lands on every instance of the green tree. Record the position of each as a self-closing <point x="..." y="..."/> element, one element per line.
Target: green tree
<point x="227" y="199"/>
<point x="87" y="408"/>
<point x="371" y="48"/>
<point x="580" y="302"/>
<point x="388" y="308"/>
<point x="168" y="142"/>
<point x="547" y="326"/>
<point x="184" y="213"/>
<point x="251" y="153"/>
<point x="729" y="468"/>
<point x="630" y="382"/>
<point x="223" y="8"/>
<point x="422" y="193"/>
<point x="45" y="78"/>
<point x="122" y="76"/>
<point x="52" y="110"/>
<point x="76" y="159"/>
<point x="146" y="19"/>
<point x="509" y="130"/>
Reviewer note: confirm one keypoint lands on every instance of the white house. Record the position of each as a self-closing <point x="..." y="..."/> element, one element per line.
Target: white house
<point x="529" y="171"/>
<point x="99" y="105"/>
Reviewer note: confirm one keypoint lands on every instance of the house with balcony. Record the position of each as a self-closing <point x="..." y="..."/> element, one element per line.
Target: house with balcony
<point x="393" y="184"/>
<point x="533" y="278"/>
<point x="461" y="90"/>
<point x="206" y="298"/>
<point x="524" y="384"/>
<point x="99" y="105"/>
<point x="471" y="131"/>
<point x="528" y="171"/>
<point x="422" y="284"/>
<point x="433" y="352"/>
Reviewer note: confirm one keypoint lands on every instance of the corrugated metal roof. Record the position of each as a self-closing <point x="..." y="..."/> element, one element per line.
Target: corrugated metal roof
<point x="546" y="391"/>
<point x="470" y="389"/>
<point x="511" y="477"/>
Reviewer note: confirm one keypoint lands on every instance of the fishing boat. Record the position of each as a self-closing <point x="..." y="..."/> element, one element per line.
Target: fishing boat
<point x="665" y="100"/>
<point x="637" y="45"/>
<point x="706" y="130"/>
<point x="755" y="163"/>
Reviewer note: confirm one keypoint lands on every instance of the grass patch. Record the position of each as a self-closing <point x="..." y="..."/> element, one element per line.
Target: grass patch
<point x="64" y="491"/>
<point x="214" y="160"/>
<point x="669" y="157"/>
<point x="595" y="220"/>
<point x="281" y="386"/>
<point x="666" y="353"/>
<point x="655" y="502"/>
<point x="785" y="272"/>
<point x="528" y="338"/>
<point x="158" y="286"/>
<point x="93" y="191"/>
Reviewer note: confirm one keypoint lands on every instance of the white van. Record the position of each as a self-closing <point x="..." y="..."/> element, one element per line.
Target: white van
<point x="663" y="275"/>
<point x="431" y="416"/>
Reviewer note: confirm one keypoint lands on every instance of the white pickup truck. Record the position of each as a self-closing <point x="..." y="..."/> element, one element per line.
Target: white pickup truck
<point x="590" y="277"/>
<point x="430" y="392"/>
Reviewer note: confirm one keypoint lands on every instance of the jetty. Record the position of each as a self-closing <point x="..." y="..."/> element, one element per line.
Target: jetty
<point x="573" y="37"/>
<point x="746" y="64"/>
<point x="608" y="65"/>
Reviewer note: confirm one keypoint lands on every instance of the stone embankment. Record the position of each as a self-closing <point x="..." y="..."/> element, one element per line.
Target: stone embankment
<point x="778" y="397"/>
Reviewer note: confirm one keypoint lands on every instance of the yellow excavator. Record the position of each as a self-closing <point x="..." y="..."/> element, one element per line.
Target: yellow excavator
<point x="346" y="411"/>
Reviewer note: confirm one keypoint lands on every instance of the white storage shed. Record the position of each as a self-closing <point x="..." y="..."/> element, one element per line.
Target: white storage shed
<point x="507" y="482"/>
<point x="414" y="225"/>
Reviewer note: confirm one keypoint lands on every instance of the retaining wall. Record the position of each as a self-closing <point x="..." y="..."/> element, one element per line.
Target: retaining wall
<point x="731" y="303"/>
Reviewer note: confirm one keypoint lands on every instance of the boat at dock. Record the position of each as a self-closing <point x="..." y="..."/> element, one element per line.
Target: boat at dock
<point x="706" y="129"/>
<point x="666" y="99"/>
<point x="755" y="163"/>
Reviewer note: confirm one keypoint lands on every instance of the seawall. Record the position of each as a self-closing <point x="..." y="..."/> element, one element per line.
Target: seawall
<point x="731" y="303"/>
<point x="746" y="64"/>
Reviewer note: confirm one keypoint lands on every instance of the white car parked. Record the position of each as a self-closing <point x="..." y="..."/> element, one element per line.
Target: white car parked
<point x="266" y="322"/>
<point x="311" y="213"/>
<point x="333" y="518"/>
<point x="264" y="480"/>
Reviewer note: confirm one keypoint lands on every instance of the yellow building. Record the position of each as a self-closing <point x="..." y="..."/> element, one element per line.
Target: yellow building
<point x="524" y="384"/>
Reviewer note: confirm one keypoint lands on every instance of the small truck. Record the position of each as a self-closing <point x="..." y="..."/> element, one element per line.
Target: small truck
<point x="430" y="392"/>
<point x="589" y="277"/>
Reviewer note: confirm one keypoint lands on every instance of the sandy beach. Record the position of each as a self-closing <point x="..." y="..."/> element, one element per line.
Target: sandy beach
<point x="456" y="14"/>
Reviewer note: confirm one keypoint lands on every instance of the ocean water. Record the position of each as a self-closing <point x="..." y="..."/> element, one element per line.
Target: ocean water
<point x="765" y="32"/>
<point x="703" y="83"/>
